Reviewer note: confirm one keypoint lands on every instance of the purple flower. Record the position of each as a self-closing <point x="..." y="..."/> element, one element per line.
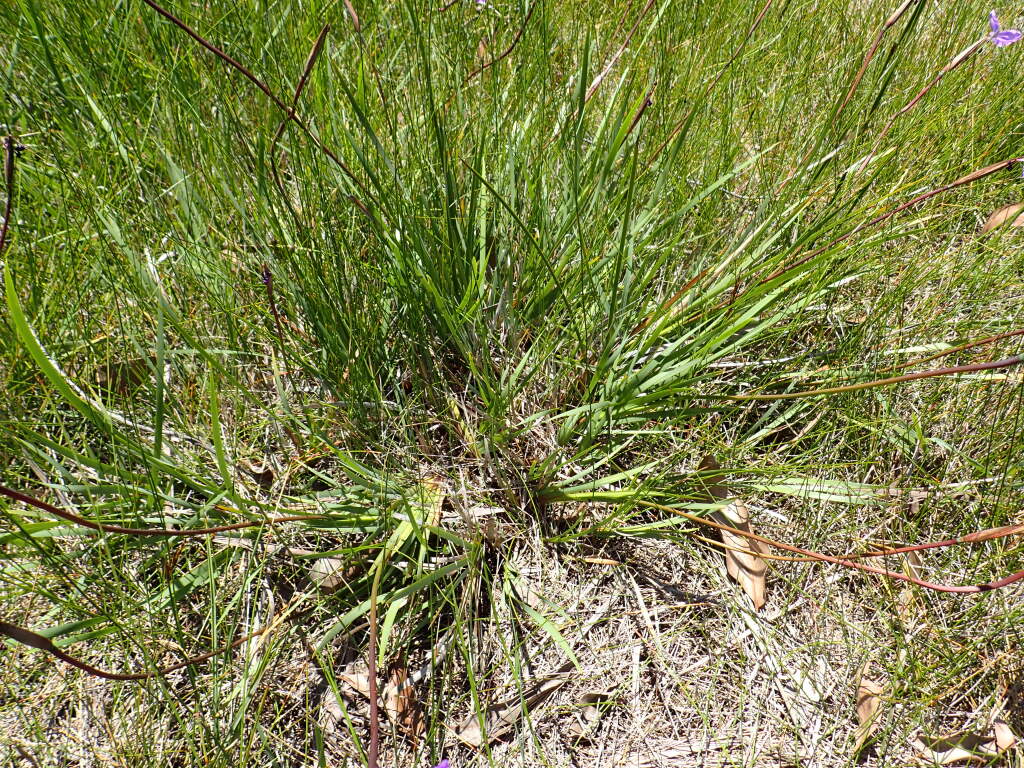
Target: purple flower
<point x="443" y="764"/>
<point x="1002" y="37"/>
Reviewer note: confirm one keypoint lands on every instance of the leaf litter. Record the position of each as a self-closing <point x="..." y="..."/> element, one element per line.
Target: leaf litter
<point x="744" y="561"/>
<point x="869" y="705"/>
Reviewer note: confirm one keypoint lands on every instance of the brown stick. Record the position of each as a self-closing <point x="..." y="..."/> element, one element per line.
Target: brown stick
<point x="954" y="350"/>
<point x="39" y="642"/>
<point x="310" y="63"/>
<point x="951" y="371"/>
<point x="238" y="66"/>
<point x="847" y="563"/>
<point x="988" y="534"/>
<point x="507" y="51"/>
<point x="889" y="23"/>
<point x="615" y="57"/>
<point x="969" y="178"/>
<point x="893" y="18"/>
<point x="721" y="73"/>
<point x="957" y="60"/>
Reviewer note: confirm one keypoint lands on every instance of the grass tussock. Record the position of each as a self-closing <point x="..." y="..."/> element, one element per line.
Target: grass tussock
<point x="436" y="313"/>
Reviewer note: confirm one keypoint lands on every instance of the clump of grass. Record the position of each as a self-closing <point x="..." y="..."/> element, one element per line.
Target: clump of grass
<point x="459" y="319"/>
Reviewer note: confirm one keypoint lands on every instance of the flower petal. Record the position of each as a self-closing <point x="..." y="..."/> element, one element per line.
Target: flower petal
<point x="993" y="22"/>
<point x="1006" y="37"/>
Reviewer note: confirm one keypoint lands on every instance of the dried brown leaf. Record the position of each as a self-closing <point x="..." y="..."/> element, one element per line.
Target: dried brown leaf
<point x="1005" y="738"/>
<point x="1001" y="215"/>
<point x="713" y="482"/>
<point x="966" y="747"/>
<point x="500" y="718"/>
<point x="355" y="679"/>
<point x="869" y="704"/>
<point x="590" y="712"/>
<point x="262" y="472"/>
<point x="748" y="568"/>
<point x="401" y="704"/>
<point x="328" y="573"/>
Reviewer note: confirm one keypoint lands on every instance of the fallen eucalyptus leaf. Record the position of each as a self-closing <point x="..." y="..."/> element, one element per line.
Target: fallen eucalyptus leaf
<point x="869" y="703"/>
<point x="500" y="718"/>
<point x="1005" y="738"/>
<point x="590" y="712"/>
<point x="1001" y="215"/>
<point x="747" y="569"/>
<point x="966" y="746"/>
<point x="356" y="678"/>
<point x="401" y="704"/>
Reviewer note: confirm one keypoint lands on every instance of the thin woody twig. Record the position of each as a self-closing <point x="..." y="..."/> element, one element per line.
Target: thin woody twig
<point x="615" y="57"/>
<point x="894" y="17"/>
<point x="711" y="86"/>
<point x="957" y="60"/>
<point x="950" y="371"/>
<point x="848" y="563"/>
<point x="42" y="643"/>
<point x="278" y="102"/>
<point x="307" y="70"/>
<point x="507" y="51"/>
<point x="969" y="178"/>
<point x="163" y="532"/>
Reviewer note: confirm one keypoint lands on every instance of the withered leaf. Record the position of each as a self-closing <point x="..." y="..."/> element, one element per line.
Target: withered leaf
<point x="907" y="606"/>
<point x="590" y="711"/>
<point x="500" y="718"/>
<point x="328" y="573"/>
<point x="356" y="678"/>
<point x="1002" y="215"/>
<point x="748" y="568"/>
<point x="712" y="481"/>
<point x="869" y="704"/>
<point x="401" y="704"/>
<point x="966" y="747"/>
<point x="1005" y="738"/>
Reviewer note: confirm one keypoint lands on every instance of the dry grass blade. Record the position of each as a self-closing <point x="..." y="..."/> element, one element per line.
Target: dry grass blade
<point x="869" y="704"/>
<point x="1002" y="215"/>
<point x="743" y="559"/>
